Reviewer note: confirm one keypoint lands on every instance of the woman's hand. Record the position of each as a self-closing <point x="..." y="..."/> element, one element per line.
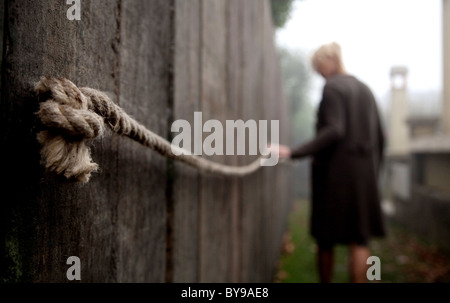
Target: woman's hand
<point x="283" y="151"/>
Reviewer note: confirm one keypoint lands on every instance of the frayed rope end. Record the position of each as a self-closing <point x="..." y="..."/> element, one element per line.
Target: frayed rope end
<point x="69" y="125"/>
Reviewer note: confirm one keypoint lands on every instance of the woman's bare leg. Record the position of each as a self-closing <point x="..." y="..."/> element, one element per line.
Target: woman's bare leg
<point x="358" y="263"/>
<point x="325" y="260"/>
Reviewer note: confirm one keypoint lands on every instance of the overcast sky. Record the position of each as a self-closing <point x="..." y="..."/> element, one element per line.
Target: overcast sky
<point x="374" y="35"/>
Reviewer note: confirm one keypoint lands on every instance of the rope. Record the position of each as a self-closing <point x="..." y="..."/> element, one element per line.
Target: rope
<point x="74" y="116"/>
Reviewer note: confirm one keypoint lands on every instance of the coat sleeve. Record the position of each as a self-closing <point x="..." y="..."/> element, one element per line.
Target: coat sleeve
<point x="331" y="118"/>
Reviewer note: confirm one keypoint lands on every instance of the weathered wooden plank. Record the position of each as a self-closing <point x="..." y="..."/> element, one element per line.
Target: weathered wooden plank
<point x="83" y="216"/>
<point x="252" y="186"/>
<point x="215" y="206"/>
<point x="270" y="106"/>
<point x="49" y="219"/>
<point x="279" y="200"/>
<point x="185" y="188"/>
<point x="269" y="190"/>
<point x="234" y="92"/>
<point x="246" y="210"/>
<point x="273" y="189"/>
<point x="145" y="57"/>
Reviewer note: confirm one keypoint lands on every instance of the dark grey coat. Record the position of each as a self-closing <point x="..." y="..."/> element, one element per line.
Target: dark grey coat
<point x="347" y="153"/>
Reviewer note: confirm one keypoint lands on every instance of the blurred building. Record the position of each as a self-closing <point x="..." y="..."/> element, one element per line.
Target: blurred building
<point x="446" y="45"/>
<point x="423" y="126"/>
<point x="419" y="162"/>
<point x="398" y="132"/>
<point x="398" y="138"/>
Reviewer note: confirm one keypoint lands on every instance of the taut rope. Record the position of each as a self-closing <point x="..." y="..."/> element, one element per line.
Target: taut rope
<point x="73" y="116"/>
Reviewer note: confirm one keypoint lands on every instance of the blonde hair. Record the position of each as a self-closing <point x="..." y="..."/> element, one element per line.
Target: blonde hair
<point x="331" y="51"/>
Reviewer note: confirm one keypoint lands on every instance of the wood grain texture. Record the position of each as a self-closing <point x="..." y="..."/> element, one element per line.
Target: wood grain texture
<point x="215" y="206"/>
<point x="252" y="186"/>
<point x="56" y="219"/>
<point x="185" y="192"/>
<point x="234" y="112"/>
<point x="145" y="57"/>
<point x="142" y="218"/>
<point x="277" y="193"/>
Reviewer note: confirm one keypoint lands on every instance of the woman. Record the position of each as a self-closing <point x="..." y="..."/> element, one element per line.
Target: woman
<point x="347" y="153"/>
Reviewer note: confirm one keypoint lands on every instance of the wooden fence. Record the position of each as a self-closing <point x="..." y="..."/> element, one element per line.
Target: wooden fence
<point x="142" y="218"/>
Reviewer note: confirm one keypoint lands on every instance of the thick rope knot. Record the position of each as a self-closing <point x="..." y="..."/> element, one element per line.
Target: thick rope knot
<point x="64" y="110"/>
<point x="73" y="116"/>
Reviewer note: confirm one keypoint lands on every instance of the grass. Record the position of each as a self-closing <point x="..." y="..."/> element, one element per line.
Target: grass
<point x="404" y="257"/>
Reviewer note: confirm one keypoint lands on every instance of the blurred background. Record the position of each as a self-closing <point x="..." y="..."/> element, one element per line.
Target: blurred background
<point x="401" y="50"/>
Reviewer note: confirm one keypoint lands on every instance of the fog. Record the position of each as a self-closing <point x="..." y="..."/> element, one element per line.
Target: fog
<point x="375" y="35"/>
